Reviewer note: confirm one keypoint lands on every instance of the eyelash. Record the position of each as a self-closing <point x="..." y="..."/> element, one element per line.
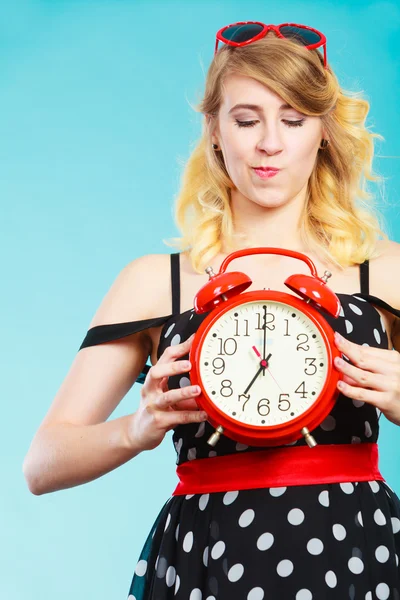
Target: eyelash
<point x="288" y="123"/>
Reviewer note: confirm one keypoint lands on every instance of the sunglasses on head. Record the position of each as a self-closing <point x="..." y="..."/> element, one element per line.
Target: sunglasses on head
<point x="246" y="32"/>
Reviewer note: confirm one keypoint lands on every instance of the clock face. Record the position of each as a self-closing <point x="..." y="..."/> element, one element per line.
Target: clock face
<point x="263" y="363"/>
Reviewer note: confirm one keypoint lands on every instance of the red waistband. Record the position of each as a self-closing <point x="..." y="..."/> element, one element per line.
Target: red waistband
<point x="275" y="467"/>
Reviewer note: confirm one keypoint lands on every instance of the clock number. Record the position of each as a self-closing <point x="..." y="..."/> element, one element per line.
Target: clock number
<point x="237" y="334"/>
<point x="223" y="347"/>
<point x="246" y="397"/>
<point x="217" y="367"/>
<point x="283" y="403"/>
<point x="303" y="390"/>
<point x="226" y="388"/>
<point x="268" y="321"/>
<point x="310" y="364"/>
<point x="263" y="405"/>
<point x="287" y="328"/>
<point x="301" y="345"/>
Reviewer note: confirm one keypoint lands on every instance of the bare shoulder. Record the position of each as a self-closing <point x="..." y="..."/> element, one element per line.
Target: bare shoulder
<point x="141" y="290"/>
<point x="385" y="273"/>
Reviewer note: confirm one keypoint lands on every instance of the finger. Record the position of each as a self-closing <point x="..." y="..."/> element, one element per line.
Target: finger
<point x="175" y="396"/>
<point x="183" y="417"/>
<point x="362" y="394"/>
<point x="165" y="370"/>
<point x="176" y="351"/>
<point x="368" y="358"/>
<point x="186" y="404"/>
<point x="360" y="377"/>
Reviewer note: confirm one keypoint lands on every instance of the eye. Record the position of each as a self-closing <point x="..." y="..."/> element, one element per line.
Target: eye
<point x="288" y="123"/>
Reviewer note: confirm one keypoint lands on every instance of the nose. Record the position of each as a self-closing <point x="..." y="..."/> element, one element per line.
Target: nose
<point x="270" y="141"/>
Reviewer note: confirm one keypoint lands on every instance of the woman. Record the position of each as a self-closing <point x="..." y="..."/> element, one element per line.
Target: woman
<point x="271" y="103"/>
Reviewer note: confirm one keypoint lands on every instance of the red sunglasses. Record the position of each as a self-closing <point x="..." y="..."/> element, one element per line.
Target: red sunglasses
<point x="246" y="32"/>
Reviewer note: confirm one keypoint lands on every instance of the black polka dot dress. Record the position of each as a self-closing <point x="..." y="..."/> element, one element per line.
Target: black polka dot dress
<point x="330" y="541"/>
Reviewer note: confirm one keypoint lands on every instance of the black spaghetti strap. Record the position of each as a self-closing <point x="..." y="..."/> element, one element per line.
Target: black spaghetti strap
<point x="364" y="277"/>
<point x="175" y="283"/>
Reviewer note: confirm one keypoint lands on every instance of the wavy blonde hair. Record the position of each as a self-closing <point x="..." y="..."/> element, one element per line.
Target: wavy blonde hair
<point x="339" y="220"/>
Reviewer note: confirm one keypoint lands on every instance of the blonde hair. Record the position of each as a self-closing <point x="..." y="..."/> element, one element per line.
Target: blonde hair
<point x="339" y="220"/>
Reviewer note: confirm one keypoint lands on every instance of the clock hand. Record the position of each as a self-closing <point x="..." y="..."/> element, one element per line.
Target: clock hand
<point x="253" y="380"/>
<point x="265" y="334"/>
<point x="264" y="363"/>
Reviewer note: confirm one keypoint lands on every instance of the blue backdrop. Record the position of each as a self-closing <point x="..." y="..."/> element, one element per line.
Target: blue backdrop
<point x="95" y="123"/>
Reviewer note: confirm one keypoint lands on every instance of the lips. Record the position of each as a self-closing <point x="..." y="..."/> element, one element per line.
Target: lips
<point x="266" y="169"/>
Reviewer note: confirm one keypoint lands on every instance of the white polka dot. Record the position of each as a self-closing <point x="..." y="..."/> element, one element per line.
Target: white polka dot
<point x="295" y="516"/>
<point x="355" y="308"/>
<point x="374" y="485"/>
<point x="200" y="430"/>
<point x="315" y="546"/>
<point x="323" y="498"/>
<point x="211" y="598"/>
<point x="368" y="430"/>
<point x="382" y="324"/>
<point x="361" y="299"/>
<point x="203" y="501"/>
<point x="212" y="453"/>
<point x="184" y="382"/>
<point x="195" y="594"/>
<point x="240" y="447"/>
<point x="177" y="532"/>
<point x="177" y="584"/>
<point x="256" y="593"/>
<point x="358" y="403"/>
<point x="167" y="522"/>
<point x="339" y="532"/>
<point x="176" y="339"/>
<point x="349" y="326"/>
<point x="329" y="423"/>
<point x="141" y="568"/>
<point x="265" y="541"/>
<point x="395" y="524"/>
<point x="217" y="550"/>
<point x="178" y="445"/>
<point x="205" y="556"/>
<point x="188" y="541"/>
<point x="359" y="518"/>
<point x="368" y="596"/>
<point x="285" y="568"/>
<point x="131" y="597"/>
<point x="397" y="560"/>
<point x="377" y="336"/>
<point x="379" y="517"/>
<point x="382" y="591"/>
<point x="247" y="517"/>
<point x="277" y="491"/>
<point x="170" y="576"/>
<point x="170" y="328"/>
<point x="230" y="497"/>
<point x="355" y="440"/>
<point x="381" y="554"/>
<point x="235" y="572"/>
<point x="331" y="579"/>
<point x="347" y="488"/>
<point x="191" y="453"/>
<point x="304" y="595"/>
<point x="356" y="565"/>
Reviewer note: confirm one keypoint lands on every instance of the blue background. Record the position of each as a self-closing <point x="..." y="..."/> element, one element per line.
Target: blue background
<point x="95" y="124"/>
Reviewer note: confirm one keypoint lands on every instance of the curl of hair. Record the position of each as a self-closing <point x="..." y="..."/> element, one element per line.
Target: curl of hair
<point x="339" y="221"/>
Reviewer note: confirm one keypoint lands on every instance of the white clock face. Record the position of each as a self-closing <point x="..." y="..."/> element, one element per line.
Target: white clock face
<point x="262" y="378"/>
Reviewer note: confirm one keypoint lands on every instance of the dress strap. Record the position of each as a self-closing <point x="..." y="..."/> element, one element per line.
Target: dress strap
<point x="364" y="277"/>
<point x="176" y="283"/>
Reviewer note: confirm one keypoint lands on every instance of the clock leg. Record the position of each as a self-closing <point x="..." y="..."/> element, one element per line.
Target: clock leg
<point x="214" y="438"/>
<point x="309" y="438"/>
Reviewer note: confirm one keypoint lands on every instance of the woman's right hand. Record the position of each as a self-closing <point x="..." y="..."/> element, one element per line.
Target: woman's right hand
<point x="161" y="409"/>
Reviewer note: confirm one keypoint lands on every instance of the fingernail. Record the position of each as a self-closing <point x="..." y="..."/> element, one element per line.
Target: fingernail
<point x="338" y="337"/>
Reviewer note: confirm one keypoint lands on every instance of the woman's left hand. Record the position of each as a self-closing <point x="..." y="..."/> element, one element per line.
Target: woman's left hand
<point x="374" y="376"/>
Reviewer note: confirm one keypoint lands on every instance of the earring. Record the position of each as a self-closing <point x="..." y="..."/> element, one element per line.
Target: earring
<point x="215" y="147"/>
<point x="324" y="144"/>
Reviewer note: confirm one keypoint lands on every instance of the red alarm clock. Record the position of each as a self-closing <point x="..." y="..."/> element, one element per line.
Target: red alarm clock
<point x="264" y="360"/>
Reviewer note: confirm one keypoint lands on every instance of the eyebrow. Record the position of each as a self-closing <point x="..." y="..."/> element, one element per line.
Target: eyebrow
<point x="256" y="107"/>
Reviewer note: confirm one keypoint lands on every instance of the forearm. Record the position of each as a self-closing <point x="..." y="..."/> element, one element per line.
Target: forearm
<point x="65" y="455"/>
